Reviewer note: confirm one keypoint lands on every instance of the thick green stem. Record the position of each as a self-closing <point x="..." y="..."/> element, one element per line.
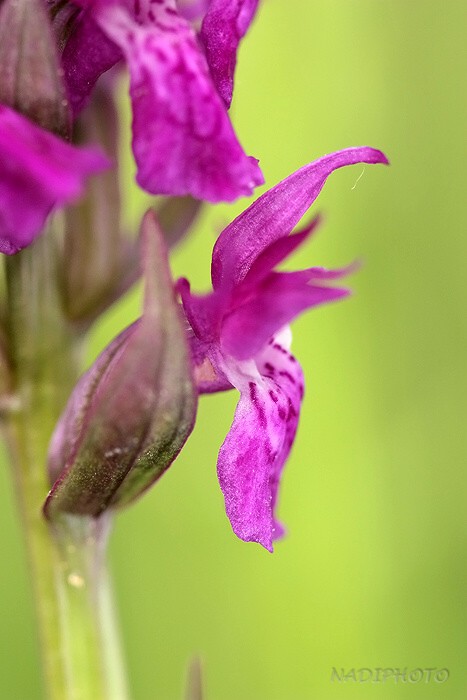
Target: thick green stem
<point x="78" y="639"/>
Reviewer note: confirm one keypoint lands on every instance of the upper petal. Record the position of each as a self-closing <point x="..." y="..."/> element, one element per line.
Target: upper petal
<point x="256" y="448"/>
<point x="183" y="140"/>
<point x="276" y="213"/>
<point x="224" y="25"/>
<point x="39" y="172"/>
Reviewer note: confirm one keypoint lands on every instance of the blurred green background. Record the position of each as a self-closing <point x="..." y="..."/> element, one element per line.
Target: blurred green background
<point x="373" y="571"/>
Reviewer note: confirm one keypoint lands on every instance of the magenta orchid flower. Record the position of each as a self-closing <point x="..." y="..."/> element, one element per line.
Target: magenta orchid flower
<point x="180" y="86"/>
<point x="240" y="338"/>
<point x="39" y="173"/>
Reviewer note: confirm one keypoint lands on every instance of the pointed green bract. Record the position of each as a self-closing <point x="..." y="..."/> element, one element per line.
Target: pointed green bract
<point x="131" y="413"/>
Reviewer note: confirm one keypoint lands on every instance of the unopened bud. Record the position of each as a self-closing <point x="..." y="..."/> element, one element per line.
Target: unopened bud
<point x="101" y="263"/>
<point x="31" y="78"/>
<point x="131" y="413"/>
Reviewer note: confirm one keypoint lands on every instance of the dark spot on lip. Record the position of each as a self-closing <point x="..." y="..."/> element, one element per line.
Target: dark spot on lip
<point x="269" y="367"/>
<point x="271" y="455"/>
<point x="282" y="413"/>
<point x="284" y="373"/>
<point x="259" y="408"/>
<point x="276" y="346"/>
<point x="273" y="396"/>
<point x="160" y="54"/>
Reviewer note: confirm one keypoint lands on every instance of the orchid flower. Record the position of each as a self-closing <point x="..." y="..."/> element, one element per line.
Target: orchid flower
<point x="240" y="338"/>
<point x="180" y="86"/>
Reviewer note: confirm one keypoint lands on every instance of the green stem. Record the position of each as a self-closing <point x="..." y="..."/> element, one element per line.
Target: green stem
<point x="77" y="632"/>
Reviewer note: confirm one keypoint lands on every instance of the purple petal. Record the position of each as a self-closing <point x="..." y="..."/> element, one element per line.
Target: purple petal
<point x="256" y="448"/>
<point x="183" y="140"/>
<point x="280" y="298"/>
<point x="276" y="213"/>
<point x="39" y="173"/>
<point x="224" y="25"/>
<point x="277" y="252"/>
<point x="87" y="54"/>
<point x="322" y="273"/>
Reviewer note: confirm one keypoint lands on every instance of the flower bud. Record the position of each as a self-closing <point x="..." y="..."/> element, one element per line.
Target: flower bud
<point x="131" y="413"/>
<point x="101" y="262"/>
<point x="31" y="78"/>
